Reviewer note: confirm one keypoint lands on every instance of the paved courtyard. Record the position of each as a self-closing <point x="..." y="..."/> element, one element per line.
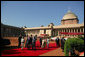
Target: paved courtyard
<point x="56" y="52"/>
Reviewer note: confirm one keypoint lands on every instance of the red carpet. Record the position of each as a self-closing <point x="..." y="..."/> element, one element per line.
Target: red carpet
<point x="30" y="52"/>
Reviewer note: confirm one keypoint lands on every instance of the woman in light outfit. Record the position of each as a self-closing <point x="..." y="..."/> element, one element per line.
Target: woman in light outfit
<point x="43" y="43"/>
<point x="22" y="43"/>
<point x="47" y="43"/>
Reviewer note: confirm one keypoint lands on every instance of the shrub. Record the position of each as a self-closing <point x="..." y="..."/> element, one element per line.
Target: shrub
<point x="73" y="43"/>
<point x="81" y="37"/>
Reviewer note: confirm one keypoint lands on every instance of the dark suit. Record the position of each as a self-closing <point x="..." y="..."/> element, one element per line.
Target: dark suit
<point x="30" y="40"/>
<point x="33" y="43"/>
<point x="40" y="42"/>
<point x="19" y="41"/>
<point x="35" y="37"/>
<point x="57" y="42"/>
<point x="62" y="43"/>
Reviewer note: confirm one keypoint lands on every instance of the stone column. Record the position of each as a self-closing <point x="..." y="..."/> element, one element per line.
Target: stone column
<point x="61" y="31"/>
<point x="69" y="31"/>
<point x="80" y="30"/>
<point x="77" y="30"/>
<point x="83" y="30"/>
<point x="74" y="32"/>
<point x="64" y="31"/>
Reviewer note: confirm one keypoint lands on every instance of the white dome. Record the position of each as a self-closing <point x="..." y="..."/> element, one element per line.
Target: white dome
<point x="69" y="15"/>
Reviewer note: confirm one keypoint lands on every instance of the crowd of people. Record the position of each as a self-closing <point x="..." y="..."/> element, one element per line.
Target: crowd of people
<point x="31" y="42"/>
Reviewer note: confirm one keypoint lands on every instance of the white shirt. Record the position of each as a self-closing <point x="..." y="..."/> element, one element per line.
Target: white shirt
<point x="22" y="40"/>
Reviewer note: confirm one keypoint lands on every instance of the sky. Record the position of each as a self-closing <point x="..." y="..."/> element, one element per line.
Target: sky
<point x="37" y="13"/>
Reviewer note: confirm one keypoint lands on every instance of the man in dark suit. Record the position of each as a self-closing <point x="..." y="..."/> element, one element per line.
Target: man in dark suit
<point x="58" y="41"/>
<point x="33" y="42"/>
<point x="40" y="41"/>
<point x="35" y="37"/>
<point x="31" y="39"/>
<point x="19" y="40"/>
<point x="62" y="43"/>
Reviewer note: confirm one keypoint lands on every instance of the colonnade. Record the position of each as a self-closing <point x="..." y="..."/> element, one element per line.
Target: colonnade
<point x="69" y="30"/>
<point x="56" y="32"/>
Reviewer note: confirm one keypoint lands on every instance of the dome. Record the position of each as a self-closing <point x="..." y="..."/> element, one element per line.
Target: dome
<point x="69" y="15"/>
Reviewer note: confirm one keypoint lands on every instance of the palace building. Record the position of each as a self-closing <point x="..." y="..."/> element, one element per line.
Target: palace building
<point x="69" y="27"/>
